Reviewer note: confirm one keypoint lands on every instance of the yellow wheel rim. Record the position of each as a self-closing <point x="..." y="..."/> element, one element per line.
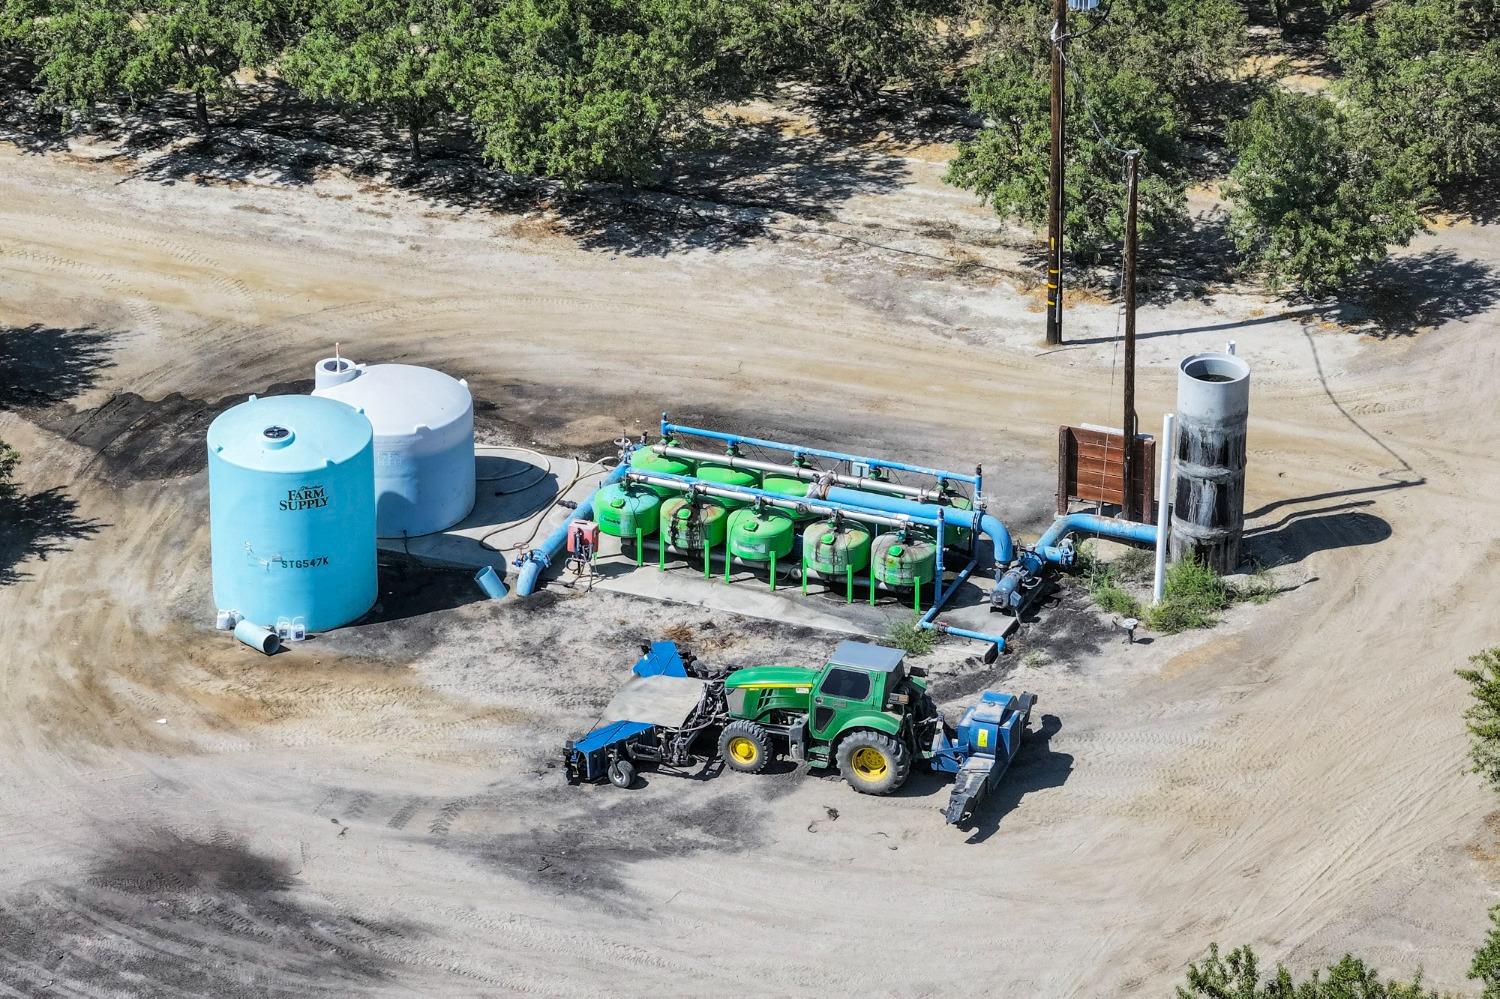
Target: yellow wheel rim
<point x="743" y="750"/>
<point x="869" y="763"/>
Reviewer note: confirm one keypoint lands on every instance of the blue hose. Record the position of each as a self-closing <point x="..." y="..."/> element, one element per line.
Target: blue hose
<point x="1089" y="523"/>
<point x="990" y="527"/>
<point x="534" y="561"/>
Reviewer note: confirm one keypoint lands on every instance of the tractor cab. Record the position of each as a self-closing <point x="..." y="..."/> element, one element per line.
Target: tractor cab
<point x="864" y="701"/>
<point x="857" y="676"/>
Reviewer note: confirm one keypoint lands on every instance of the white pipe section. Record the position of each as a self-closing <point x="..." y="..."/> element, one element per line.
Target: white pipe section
<point x="787" y="503"/>
<point x="796" y="472"/>
<point x="1163" y="506"/>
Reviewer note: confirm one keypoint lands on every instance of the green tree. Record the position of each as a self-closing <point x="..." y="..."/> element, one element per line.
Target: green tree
<point x="81" y="48"/>
<point x="1313" y="201"/>
<point x="197" y="46"/>
<point x="18" y="19"/>
<point x="859" y="47"/>
<point x="9" y="459"/>
<point x="401" y="57"/>
<point x="1486" y="966"/>
<point x="1237" y="976"/>
<point x="1425" y="74"/>
<point x="592" y="89"/>
<point x="1136" y="81"/>
<point x="1483" y="715"/>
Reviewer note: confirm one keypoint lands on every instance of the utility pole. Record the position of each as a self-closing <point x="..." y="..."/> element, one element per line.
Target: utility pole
<point x="1132" y="168"/>
<point x="1055" y="207"/>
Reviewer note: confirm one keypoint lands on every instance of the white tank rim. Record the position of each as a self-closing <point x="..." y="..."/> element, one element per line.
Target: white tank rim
<point x="403" y="400"/>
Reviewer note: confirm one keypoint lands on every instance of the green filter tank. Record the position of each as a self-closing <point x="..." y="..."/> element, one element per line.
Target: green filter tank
<point x="792" y="488"/>
<point x="830" y="550"/>
<point x="901" y="562"/>
<point x="723" y="475"/>
<point x="754" y="535"/>
<point x="690" y="527"/>
<point x="957" y="538"/>
<point x="622" y="509"/>
<point x="643" y="459"/>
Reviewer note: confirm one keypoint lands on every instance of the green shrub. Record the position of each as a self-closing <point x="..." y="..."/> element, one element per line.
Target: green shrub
<point x="1104" y="578"/>
<point x="1483" y="715"/>
<point x="1112" y="598"/>
<point x="1136" y="565"/>
<point x="1192" y="598"/>
<point x="1237" y="975"/>
<point x="910" y="638"/>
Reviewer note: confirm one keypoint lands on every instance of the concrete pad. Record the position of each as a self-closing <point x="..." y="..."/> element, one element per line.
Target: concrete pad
<point x="514" y="508"/>
<point x="517" y="504"/>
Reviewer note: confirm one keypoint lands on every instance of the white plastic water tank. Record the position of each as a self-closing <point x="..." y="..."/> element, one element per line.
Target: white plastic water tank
<point x="424" y="441"/>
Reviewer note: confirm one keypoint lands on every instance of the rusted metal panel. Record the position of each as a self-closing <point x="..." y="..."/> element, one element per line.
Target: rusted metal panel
<point x="1091" y="468"/>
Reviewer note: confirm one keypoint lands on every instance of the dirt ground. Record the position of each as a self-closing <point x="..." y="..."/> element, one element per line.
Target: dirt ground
<point x="380" y="812"/>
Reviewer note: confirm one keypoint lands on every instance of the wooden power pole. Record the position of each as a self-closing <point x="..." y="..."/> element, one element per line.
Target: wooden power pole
<point x="1055" y="206"/>
<point x="1132" y="168"/>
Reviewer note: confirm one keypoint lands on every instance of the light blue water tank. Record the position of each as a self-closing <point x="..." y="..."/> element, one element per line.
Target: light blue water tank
<point x="291" y="483"/>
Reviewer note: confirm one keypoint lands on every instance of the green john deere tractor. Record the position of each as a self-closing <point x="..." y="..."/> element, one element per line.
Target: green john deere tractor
<point x="864" y="711"/>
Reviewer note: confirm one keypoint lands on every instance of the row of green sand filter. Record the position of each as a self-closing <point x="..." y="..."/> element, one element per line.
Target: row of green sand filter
<point x="840" y="550"/>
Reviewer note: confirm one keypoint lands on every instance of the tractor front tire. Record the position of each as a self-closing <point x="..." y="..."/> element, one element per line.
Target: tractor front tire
<point x="745" y="746"/>
<point x="873" y="762"/>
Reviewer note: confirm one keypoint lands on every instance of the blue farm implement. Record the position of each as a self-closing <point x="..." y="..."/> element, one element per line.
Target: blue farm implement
<point x="659" y="717"/>
<point x="864" y="711"/>
<point x="988" y="738"/>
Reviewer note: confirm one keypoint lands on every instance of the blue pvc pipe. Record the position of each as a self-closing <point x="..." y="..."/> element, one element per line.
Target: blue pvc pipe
<point x="998" y="641"/>
<point x="929" y="620"/>
<point x="262" y="640"/>
<point x="534" y="561"/>
<point x="489" y="581"/>
<point x="989" y="526"/>
<point x="1090" y="523"/>
<point x="669" y="428"/>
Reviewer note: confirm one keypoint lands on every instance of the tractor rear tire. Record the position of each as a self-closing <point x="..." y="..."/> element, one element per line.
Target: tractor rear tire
<point x="873" y="762"/>
<point x="745" y="746"/>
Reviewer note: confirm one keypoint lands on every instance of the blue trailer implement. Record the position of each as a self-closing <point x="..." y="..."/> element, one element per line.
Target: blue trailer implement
<point x="979" y="753"/>
<point x="656" y="718"/>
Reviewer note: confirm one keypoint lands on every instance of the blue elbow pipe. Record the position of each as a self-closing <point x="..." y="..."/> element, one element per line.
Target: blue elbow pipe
<point x="995" y="640"/>
<point x="930" y="622"/>
<point x="989" y="526"/>
<point x="1089" y="523"/>
<point x="534" y="561"/>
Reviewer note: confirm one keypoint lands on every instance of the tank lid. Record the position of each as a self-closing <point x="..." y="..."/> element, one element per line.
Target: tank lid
<point x="399" y="399"/>
<point x="288" y="433"/>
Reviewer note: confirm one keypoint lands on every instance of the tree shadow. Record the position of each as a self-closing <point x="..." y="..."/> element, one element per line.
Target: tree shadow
<point x="1305" y="532"/>
<point x="752" y="180"/>
<point x="38" y="526"/>
<point x="1411" y="294"/>
<point x="271" y="134"/>
<point x="410" y="588"/>
<point x="1188" y="262"/>
<point x="1036" y="767"/>
<point x="42" y="365"/>
<point x="739" y="180"/>
<point x="1477" y="201"/>
<point x="22" y="123"/>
